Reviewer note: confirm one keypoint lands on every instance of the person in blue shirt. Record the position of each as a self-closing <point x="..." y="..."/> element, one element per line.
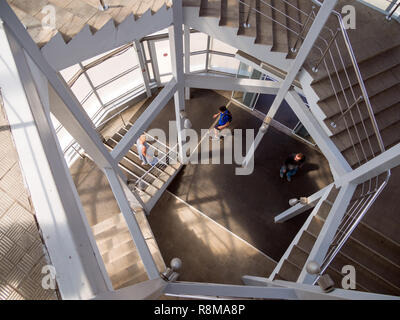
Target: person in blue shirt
<point x="225" y="119"/>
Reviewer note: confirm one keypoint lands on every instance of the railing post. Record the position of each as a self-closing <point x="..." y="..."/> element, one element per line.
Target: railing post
<point x="315" y="68"/>
<point x="299" y="36"/>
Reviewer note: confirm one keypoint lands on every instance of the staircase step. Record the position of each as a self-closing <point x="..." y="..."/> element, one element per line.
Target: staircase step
<point x="306" y="241"/>
<point x="380" y="102"/>
<point x="324" y="210"/>
<point x="298" y="256"/>
<point x="118" y="252"/>
<point x="289" y="271"/>
<point x="244" y="7"/>
<point x="107" y="224"/>
<point x="229" y="13"/>
<point x="373" y="260"/>
<point x="210" y="8"/>
<point x="333" y="195"/>
<point x="365" y="277"/>
<point x="370" y="68"/>
<point x="129" y="276"/>
<point x="374" y="86"/>
<point x="315" y="226"/>
<point x="264" y="22"/>
<point x="384" y="119"/>
<point x="117" y="239"/>
<point x="294" y="23"/>
<point x="378" y="242"/>
<point x="389" y="137"/>
<point x="280" y="32"/>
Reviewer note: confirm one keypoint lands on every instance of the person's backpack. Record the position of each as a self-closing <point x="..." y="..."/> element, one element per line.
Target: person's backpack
<point x="229" y="115"/>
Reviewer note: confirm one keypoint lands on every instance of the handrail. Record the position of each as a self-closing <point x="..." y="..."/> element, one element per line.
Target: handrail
<point x="339" y="244"/>
<point x="153" y="166"/>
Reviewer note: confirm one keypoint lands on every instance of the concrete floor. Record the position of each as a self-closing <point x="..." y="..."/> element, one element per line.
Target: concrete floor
<point x="245" y="205"/>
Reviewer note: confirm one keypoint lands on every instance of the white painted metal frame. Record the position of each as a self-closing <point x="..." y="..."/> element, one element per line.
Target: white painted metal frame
<point x="175" y="32"/>
<point x="328" y="231"/>
<point x="300" y="208"/>
<point x="308" y="43"/>
<point x="234" y="84"/>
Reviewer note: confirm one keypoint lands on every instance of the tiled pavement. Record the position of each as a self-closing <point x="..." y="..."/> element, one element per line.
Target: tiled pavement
<point x="22" y="254"/>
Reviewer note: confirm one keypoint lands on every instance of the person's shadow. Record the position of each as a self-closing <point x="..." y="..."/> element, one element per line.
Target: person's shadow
<point x="308" y="167"/>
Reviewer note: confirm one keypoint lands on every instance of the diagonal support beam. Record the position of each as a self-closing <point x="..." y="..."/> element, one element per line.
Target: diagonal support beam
<point x="335" y="158"/>
<point x="141" y="124"/>
<point x="328" y="231"/>
<point x="133" y="226"/>
<point x="312" y="35"/>
<point x="231" y="84"/>
<point x="176" y="50"/>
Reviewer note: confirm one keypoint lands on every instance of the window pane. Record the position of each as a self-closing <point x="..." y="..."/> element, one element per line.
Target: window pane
<point x="113" y="67"/>
<point x="163" y="56"/>
<point x="198" y="41"/>
<point x="150" y="69"/>
<point x="91" y="106"/>
<point x="81" y="88"/>
<point x="198" y="62"/>
<point x="120" y="86"/>
<point x="146" y="50"/>
<point x="165" y="79"/>
<point x="223" y="63"/>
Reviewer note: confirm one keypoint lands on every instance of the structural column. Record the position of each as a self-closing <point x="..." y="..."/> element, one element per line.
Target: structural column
<point x="312" y="35"/>
<point x="187" y="57"/>
<point x="143" y="67"/>
<point x="176" y="50"/>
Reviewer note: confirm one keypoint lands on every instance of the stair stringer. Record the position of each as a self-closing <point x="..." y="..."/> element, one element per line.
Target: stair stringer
<point x="85" y="44"/>
<point x="302" y="229"/>
<point x="149" y="205"/>
<point x="228" y="35"/>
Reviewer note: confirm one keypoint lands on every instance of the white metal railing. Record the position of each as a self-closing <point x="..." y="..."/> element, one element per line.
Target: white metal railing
<point x="333" y="54"/>
<point x="160" y="164"/>
<point x="356" y="211"/>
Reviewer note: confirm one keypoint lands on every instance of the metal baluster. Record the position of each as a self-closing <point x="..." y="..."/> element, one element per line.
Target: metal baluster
<point x="315" y="69"/>
<point x="361" y="98"/>
<point x="247" y="24"/>
<point x="302" y="30"/>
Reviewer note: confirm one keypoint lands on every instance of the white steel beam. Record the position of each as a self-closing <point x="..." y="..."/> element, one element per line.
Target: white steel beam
<point x="311" y="292"/>
<point x="373" y="168"/>
<point x="300" y="208"/>
<point x="308" y="43"/>
<point x="328" y="231"/>
<point x="335" y="158"/>
<point x="186" y="34"/>
<point x="143" y="67"/>
<point x="141" y="124"/>
<point x="231" y="84"/>
<point x="226" y="290"/>
<point x="176" y="50"/>
<point x="133" y="226"/>
<point x="80" y="272"/>
<point x="146" y="290"/>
